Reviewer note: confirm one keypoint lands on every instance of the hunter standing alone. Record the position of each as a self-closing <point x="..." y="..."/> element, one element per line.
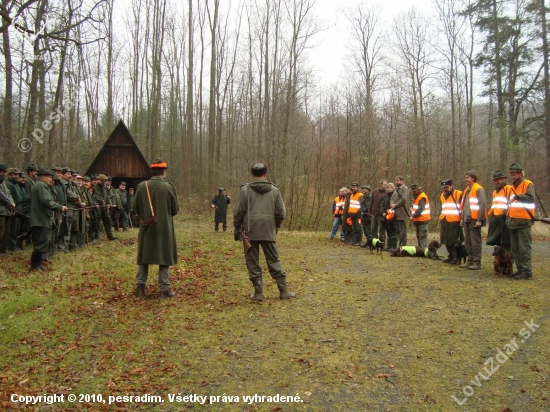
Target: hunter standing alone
<point x="155" y="203"/>
<point x="258" y="214"/>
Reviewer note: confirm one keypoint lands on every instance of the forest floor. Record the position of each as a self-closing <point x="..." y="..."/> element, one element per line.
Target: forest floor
<point x="365" y="332"/>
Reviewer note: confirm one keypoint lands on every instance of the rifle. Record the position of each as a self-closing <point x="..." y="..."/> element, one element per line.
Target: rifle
<point x="19" y="215"/>
<point x="542" y="219"/>
<point x="24" y="235"/>
<point x="246" y="240"/>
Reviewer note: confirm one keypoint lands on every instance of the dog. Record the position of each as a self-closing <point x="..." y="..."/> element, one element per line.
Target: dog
<point x="415" y="251"/>
<point x="374" y="243"/>
<point x="461" y="254"/>
<point x="502" y="261"/>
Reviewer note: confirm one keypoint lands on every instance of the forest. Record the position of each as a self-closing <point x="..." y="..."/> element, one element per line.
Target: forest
<point x="214" y="86"/>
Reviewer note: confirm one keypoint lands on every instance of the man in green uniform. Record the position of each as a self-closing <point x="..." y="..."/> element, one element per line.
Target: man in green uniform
<point x="12" y="183"/>
<point x="102" y="199"/>
<point x="521" y="213"/>
<point x="220" y="202"/>
<point x="258" y="213"/>
<point x="6" y="206"/>
<point x="114" y="201"/>
<point x="156" y="202"/>
<point x="124" y="205"/>
<point x="42" y="217"/>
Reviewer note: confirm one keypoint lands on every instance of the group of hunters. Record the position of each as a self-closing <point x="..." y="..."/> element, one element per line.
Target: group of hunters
<point x="59" y="210"/>
<point x="384" y="213"/>
<point x="64" y="211"/>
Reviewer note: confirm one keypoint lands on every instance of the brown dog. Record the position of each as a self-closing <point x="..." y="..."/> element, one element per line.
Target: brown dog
<point x="502" y="261"/>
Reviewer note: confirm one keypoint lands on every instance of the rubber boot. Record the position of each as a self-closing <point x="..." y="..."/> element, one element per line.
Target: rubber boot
<point x="167" y="294"/>
<point x="140" y="291"/>
<point x="36" y="262"/>
<point x="284" y="293"/>
<point x="258" y="291"/>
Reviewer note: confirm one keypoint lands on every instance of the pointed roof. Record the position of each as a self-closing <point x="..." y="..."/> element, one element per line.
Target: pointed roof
<point x="120" y="157"/>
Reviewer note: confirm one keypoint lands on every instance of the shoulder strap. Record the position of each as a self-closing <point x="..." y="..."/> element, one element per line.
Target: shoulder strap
<point x="248" y="206"/>
<point x="454" y="201"/>
<point x="149" y="197"/>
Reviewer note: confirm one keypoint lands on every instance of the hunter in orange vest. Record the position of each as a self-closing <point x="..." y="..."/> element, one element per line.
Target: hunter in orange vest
<point x="353" y="213"/>
<point x="449" y="219"/>
<point x="473" y="216"/>
<point x="420" y="215"/>
<point x="521" y="214"/>
<point x="499" y="234"/>
<point x="338" y="212"/>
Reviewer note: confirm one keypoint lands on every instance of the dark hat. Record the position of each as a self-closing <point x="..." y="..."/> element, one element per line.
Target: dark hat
<point x="94" y="177"/>
<point x="498" y="174"/>
<point x="86" y="178"/>
<point x="45" y="172"/>
<point x="131" y="189"/>
<point x="354" y="184"/>
<point x="515" y="167"/>
<point x="159" y="164"/>
<point x="56" y="168"/>
<point x="74" y="172"/>
<point x="415" y="186"/>
<point x="65" y="169"/>
<point x="221" y="189"/>
<point x="366" y="187"/>
<point x="109" y="179"/>
<point x="23" y="175"/>
<point x="447" y="182"/>
<point x="3" y="167"/>
<point x="122" y="183"/>
<point x="32" y="166"/>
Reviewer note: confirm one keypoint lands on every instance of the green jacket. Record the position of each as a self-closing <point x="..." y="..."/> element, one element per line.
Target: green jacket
<point x="267" y="210"/>
<point x="6" y="199"/>
<point x="42" y="205"/>
<point x="157" y="243"/>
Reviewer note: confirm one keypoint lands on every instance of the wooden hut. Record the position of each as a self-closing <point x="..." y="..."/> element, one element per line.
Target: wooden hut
<point x="121" y="159"/>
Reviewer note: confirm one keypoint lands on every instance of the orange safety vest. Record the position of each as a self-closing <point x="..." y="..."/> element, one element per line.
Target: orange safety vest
<point x="339" y="209"/>
<point x="354" y="205"/>
<point x="499" y="206"/>
<point x="517" y="209"/>
<point x="474" y="203"/>
<point x="425" y="216"/>
<point x="450" y="208"/>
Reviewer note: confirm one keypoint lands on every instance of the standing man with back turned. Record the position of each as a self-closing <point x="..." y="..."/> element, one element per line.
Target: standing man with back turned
<point x="155" y="203"/>
<point x="259" y="212"/>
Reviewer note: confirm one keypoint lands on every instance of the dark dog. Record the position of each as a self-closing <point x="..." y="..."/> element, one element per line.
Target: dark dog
<point x="502" y="261"/>
<point x="415" y="251"/>
<point x="374" y="243"/>
<point x="461" y="254"/>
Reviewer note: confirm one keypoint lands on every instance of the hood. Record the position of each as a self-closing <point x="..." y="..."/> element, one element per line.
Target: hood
<point x="261" y="186"/>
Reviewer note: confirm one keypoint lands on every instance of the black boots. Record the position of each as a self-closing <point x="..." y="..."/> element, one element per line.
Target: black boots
<point x="140" y="291"/>
<point x="284" y="293"/>
<point x="258" y="291"/>
<point x="36" y="262"/>
<point x="167" y="294"/>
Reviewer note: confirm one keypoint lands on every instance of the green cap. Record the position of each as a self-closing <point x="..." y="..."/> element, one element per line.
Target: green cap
<point x="515" y="167"/>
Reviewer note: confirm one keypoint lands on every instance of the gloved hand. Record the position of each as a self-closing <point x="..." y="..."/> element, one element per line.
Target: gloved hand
<point x="237" y="235"/>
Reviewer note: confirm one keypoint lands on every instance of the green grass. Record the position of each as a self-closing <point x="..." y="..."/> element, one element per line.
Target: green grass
<point x="365" y="332"/>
